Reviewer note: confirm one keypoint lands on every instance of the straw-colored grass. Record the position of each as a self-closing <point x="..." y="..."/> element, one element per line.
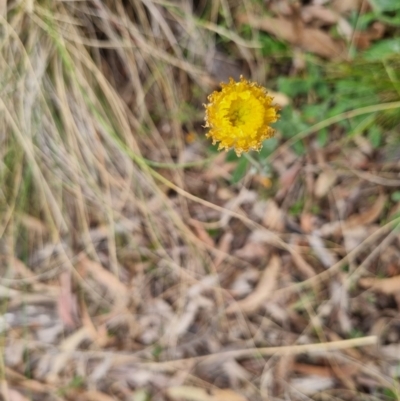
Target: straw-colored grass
<point x="114" y="284"/>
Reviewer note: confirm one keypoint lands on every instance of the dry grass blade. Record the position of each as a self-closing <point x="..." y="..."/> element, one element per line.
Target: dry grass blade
<point x="263" y="290"/>
<point x="123" y="239"/>
<point x="103" y="276"/>
<point x="269" y="351"/>
<point x="198" y="394"/>
<point x="94" y="396"/>
<point x="387" y="286"/>
<point x="369" y="215"/>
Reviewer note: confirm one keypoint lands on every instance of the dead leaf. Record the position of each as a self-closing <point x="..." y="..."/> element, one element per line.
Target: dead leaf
<point x="189" y="315"/>
<point x="307" y="222"/>
<point x="391" y="351"/>
<point x="225" y="194"/>
<point x="236" y="372"/>
<point x="369" y="216"/>
<point x="324" y="371"/>
<point x="98" y="333"/>
<point x="28" y="384"/>
<point x="324" y="183"/>
<point x="93" y="395"/>
<point x="288" y="177"/>
<point x="283" y="370"/>
<point x="317" y="12"/>
<point x="23" y="270"/>
<point x="280" y="98"/>
<point x="190" y="393"/>
<point x="14" y="395"/>
<point x="363" y="144"/>
<point x="219" y="168"/>
<point x="223" y="246"/>
<point x="102" y="276"/>
<point x="303" y="266"/>
<point x="66" y="347"/>
<point x="263" y="290"/>
<point x="244" y="196"/>
<point x="355" y="158"/>
<point x="201" y="233"/>
<point x="309" y="39"/>
<point x="242" y="285"/>
<point x="66" y="302"/>
<point x="345" y="29"/>
<point x="222" y="67"/>
<point x="262" y="180"/>
<point x="376" y="30"/>
<point x="387" y="286"/>
<point x="363" y="39"/>
<point x="252" y="251"/>
<point x="380" y="326"/>
<point x="327" y="258"/>
<point x="343" y="6"/>
<point x="273" y="218"/>
<point x="226" y="395"/>
<point x="310" y="385"/>
<point x="9" y="293"/>
<point x="33" y="224"/>
<point x="354" y="236"/>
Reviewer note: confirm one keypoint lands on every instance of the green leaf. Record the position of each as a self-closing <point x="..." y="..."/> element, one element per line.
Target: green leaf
<point x="346" y="86"/>
<point x="213" y="232"/>
<point x="157" y="350"/>
<point x="269" y="145"/>
<point x="297" y="207"/>
<point x="384" y="5"/>
<point x="390" y="394"/>
<point x="294" y="86"/>
<point x="315" y="112"/>
<point x="395" y="216"/>
<point x="337" y="109"/>
<point x="272" y="47"/>
<point x="394" y="21"/>
<point x="375" y="136"/>
<point x="290" y="123"/>
<point x="315" y="209"/>
<point x="361" y="126"/>
<point x="240" y="170"/>
<point x="396" y="196"/>
<point x="322" y="137"/>
<point x="355" y="333"/>
<point x="323" y="90"/>
<point x="362" y="21"/>
<point x="383" y="49"/>
<point x="213" y="148"/>
<point x="231" y="156"/>
<point x="299" y="148"/>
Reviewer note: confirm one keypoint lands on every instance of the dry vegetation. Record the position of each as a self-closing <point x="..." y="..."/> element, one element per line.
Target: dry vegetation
<point x="132" y="268"/>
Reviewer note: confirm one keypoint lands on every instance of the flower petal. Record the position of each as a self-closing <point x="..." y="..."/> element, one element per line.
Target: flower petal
<point x="239" y="114"/>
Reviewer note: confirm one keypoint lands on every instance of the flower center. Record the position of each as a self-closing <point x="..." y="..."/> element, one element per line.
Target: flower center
<point x="245" y="114"/>
<point x="238" y="113"/>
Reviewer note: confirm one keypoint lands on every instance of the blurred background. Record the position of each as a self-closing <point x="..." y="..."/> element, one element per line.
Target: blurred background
<point x="138" y="263"/>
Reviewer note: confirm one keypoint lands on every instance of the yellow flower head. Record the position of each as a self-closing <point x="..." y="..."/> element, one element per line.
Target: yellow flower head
<point x="238" y="116"/>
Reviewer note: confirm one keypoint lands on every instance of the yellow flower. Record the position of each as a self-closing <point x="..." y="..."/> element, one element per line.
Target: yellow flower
<point x="238" y="116"/>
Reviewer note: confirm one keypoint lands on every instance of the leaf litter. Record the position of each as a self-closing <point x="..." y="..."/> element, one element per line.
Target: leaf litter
<point x="154" y="295"/>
